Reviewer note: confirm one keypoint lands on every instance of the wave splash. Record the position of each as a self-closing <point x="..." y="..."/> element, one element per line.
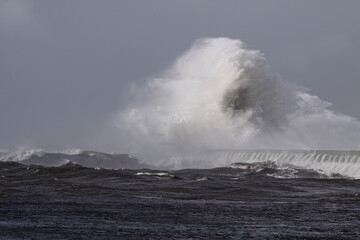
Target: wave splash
<point x="221" y="95"/>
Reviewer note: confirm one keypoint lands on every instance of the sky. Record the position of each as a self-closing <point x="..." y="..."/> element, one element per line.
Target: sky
<point x="66" y="67"/>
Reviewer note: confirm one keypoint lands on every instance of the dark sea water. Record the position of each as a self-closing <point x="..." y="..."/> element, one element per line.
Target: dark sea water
<point x="252" y="201"/>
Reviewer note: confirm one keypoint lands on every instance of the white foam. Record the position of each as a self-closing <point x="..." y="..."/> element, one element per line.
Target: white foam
<point x="21" y="155"/>
<point x="160" y="174"/>
<point x="202" y="179"/>
<point x="72" y="151"/>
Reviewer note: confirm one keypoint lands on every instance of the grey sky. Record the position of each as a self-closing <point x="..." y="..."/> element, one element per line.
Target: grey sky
<point x="66" y="66"/>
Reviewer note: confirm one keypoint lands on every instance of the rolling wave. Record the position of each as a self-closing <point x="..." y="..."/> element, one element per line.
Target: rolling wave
<point x="85" y="158"/>
<point x="330" y="162"/>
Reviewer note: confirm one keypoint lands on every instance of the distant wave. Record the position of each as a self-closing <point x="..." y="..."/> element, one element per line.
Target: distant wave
<point x="85" y="158"/>
<point x="221" y="95"/>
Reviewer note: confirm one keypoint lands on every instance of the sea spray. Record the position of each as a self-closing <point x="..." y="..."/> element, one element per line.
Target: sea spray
<point x="221" y="95"/>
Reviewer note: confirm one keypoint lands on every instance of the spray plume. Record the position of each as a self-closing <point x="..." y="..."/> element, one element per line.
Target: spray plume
<point x="221" y="95"/>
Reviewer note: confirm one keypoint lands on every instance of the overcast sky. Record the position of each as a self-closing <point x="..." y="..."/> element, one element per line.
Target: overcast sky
<point x="66" y="66"/>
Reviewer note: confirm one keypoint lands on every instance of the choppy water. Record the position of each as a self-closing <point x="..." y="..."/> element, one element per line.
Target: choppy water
<point x="259" y="200"/>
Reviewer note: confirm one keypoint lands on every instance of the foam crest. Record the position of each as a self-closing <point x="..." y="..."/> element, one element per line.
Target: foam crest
<point x="346" y="163"/>
<point x="21" y="155"/>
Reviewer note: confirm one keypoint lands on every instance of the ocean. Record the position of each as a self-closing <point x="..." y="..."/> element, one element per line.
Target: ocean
<point x="263" y="194"/>
<point x="221" y="148"/>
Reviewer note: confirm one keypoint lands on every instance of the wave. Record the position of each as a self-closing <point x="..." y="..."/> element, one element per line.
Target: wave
<point x="243" y="170"/>
<point x="221" y="95"/>
<point x="236" y="171"/>
<point x="284" y="163"/>
<point x="85" y="158"/>
<point x="346" y="163"/>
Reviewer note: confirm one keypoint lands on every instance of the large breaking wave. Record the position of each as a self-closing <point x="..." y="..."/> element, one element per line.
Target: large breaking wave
<point x="216" y="107"/>
<point x="221" y="95"/>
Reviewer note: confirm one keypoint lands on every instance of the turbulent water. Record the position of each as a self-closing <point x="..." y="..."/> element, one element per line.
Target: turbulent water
<point x="201" y="135"/>
<point x="258" y="196"/>
<point x="345" y="163"/>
